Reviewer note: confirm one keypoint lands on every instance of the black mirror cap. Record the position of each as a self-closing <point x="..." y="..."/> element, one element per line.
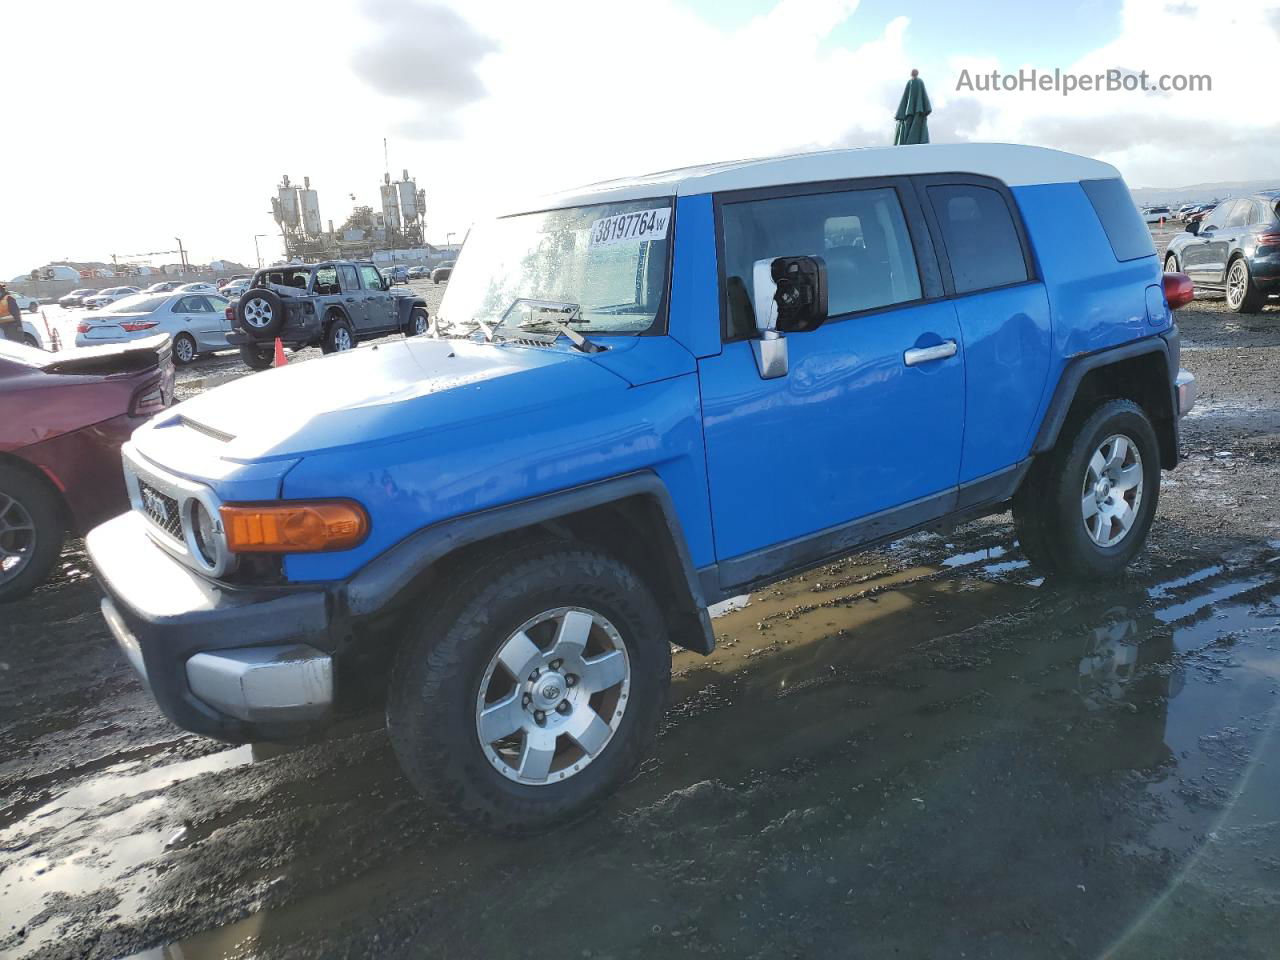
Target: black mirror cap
<point x="802" y="293"/>
<point x="1193" y="227"/>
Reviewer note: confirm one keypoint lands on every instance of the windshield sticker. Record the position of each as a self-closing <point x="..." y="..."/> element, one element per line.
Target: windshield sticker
<point x="631" y="227"/>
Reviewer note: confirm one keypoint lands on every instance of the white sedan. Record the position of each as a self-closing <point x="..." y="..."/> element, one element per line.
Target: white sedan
<point x="196" y="322"/>
<point x="29" y="304"/>
<point x="109" y="295"/>
<point x="199" y="287"/>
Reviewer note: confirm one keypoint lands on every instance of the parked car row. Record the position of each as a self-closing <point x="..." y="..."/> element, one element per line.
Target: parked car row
<point x="1232" y="251"/>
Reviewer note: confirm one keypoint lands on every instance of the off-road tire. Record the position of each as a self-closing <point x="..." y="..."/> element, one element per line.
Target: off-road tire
<point x="184" y="338"/>
<point x="257" y="358"/>
<point x="334" y="323"/>
<point x="273" y="300"/>
<point x="40" y="503"/>
<point x="1047" y="507"/>
<point x="431" y="700"/>
<point x="1253" y="298"/>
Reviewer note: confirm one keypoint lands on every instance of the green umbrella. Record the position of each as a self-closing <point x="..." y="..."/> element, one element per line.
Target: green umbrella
<point x="913" y="113"/>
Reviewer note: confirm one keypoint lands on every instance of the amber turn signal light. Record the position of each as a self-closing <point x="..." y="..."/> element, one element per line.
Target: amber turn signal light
<point x="294" y="526"/>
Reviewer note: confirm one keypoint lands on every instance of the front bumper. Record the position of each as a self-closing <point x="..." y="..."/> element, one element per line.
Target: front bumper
<point x="236" y="664"/>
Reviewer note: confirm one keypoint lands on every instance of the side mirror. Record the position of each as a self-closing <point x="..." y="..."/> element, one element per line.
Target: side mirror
<point x="1193" y="227"/>
<point x="789" y="295"/>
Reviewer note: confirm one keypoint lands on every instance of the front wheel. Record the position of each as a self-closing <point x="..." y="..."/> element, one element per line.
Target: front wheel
<point x="533" y="687"/>
<point x="1085" y="508"/>
<point x="30" y="341"/>
<point x="33" y="306"/>
<point x="421" y="323"/>
<point x="1171" y="264"/>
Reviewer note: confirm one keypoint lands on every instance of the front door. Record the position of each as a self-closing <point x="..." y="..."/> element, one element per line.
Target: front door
<point x="352" y="295"/>
<point x="198" y="319"/>
<point x="867" y="423"/>
<point x="378" y="307"/>
<point x="1204" y="259"/>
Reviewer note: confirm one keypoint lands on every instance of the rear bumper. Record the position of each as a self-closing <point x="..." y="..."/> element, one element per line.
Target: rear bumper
<point x="235" y="664"/>
<point x="1187" y="390"/>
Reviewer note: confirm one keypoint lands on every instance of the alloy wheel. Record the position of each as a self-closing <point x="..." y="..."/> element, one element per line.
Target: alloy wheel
<point x="17" y="537"/>
<point x="342" y="339"/>
<point x="553" y="696"/>
<point x="1237" y="283"/>
<point x="185" y="350"/>
<point x="1112" y="492"/>
<point x="257" y="313"/>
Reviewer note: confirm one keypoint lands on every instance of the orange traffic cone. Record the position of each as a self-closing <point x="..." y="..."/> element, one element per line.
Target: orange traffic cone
<point x="280" y="360"/>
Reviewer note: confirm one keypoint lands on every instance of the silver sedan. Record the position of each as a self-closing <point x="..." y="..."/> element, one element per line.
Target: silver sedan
<point x="196" y="322"/>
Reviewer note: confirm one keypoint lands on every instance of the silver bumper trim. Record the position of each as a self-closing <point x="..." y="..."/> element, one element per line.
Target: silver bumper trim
<point x="293" y="682"/>
<point x="124" y="638"/>
<point x="1188" y="391"/>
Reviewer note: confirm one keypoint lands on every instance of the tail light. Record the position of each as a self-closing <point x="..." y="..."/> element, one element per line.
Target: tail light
<point x="230" y="314"/>
<point x="294" y="527"/>
<point x="149" y="398"/>
<point x="1269" y="239"/>
<point x="133" y="326"/>
<point x="83" y="326"/>
<point x="1178" y="290"/>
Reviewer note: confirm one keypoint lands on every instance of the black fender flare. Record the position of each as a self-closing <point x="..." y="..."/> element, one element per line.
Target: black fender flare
<point x="1166" y="344"/>
<point x="384" y="579"/>
<point x="406" y="306"/>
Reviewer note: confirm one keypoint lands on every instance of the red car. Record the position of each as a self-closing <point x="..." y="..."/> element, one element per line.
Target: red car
<point x="64" y="418"/>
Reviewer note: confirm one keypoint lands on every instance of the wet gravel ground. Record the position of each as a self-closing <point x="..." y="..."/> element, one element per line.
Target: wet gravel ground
<point x="925" y="751"/>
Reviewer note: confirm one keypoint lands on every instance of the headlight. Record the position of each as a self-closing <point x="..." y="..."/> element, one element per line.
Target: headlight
<point x="204" y="533"/>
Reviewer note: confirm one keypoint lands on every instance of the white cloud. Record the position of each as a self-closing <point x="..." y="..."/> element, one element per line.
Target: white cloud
<point x="131" y="123"/>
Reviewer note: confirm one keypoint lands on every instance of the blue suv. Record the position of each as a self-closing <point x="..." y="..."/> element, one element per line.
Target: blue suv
<point x="639" y="398"/>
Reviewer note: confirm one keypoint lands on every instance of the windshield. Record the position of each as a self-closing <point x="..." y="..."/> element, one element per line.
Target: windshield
<point x="609" y="259"/>
<point x="138" y="303"/>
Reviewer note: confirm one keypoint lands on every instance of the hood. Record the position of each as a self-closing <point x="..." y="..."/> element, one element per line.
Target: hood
<point x="390" y="391"/>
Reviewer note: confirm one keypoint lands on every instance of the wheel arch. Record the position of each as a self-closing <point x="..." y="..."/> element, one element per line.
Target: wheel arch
<point x="1143" y="371"/>
<point x="631" y="516"/>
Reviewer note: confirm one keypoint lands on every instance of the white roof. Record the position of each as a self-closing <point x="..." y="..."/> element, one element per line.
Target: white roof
<point x="1013" y="164"/>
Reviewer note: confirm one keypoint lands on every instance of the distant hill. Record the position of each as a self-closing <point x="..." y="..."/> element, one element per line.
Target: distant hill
<point x="1200" y="192"/>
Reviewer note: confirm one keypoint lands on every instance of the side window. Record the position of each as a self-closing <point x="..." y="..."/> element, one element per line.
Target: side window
<point x="347" y="275"/>
<point x="1240" y="214"/>
<point x="326" y="283"/>
<point x="981" y="241"/>
<point x="216" y="304"/>
<point x="1221" y="214"/>
<point x="861" y="234"/>
<point x="185" y="305"/>
<point x="1128" y="234"/>
<point x="371" y="277"/>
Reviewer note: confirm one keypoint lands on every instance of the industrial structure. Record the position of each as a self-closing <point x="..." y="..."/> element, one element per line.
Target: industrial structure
<point x="395" y="230"/>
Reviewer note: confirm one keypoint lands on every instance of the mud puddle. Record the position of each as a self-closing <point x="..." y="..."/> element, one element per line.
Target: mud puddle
<point x="880" y="739"/>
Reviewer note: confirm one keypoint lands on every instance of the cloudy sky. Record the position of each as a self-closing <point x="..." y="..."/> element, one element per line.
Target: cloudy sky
<point x="131" y="123"/>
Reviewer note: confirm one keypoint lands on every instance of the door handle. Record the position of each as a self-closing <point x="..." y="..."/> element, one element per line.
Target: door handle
<point x="919" y="355"/>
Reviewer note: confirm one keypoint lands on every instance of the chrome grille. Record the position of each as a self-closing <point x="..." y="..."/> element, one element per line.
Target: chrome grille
<point x="162" y="509"/>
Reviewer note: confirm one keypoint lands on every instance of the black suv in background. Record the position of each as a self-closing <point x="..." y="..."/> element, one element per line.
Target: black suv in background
<point x="1234" y="250"/>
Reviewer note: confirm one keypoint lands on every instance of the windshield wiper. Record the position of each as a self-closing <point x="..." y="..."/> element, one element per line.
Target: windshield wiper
<point x="568" y="311"/>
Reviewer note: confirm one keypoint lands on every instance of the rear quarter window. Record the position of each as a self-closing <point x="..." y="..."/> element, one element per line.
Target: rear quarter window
<point x="1128" y="234"/>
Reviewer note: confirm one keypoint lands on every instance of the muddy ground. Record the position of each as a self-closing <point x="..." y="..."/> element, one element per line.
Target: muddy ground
<point x="925" y="751"/>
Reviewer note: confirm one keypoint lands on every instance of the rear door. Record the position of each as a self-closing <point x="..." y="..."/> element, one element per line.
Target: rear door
<point x="378" y="305"/>
<point x="1003" y="309"/>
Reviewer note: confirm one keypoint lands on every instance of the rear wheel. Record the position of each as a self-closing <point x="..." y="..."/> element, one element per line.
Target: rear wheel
<point x="1243" y="295"/>
<point x="33" y="306"/>
<point x="30" y="341"/>
<point x="1085" y="508"/>
<point x="184" y="348"/>
<point x="532" y="688"/>
<point x="257" y="358"/>
<point x="31" y="532"/>
<point x="1171" y="264"/>
<point x="338" y="336"/>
